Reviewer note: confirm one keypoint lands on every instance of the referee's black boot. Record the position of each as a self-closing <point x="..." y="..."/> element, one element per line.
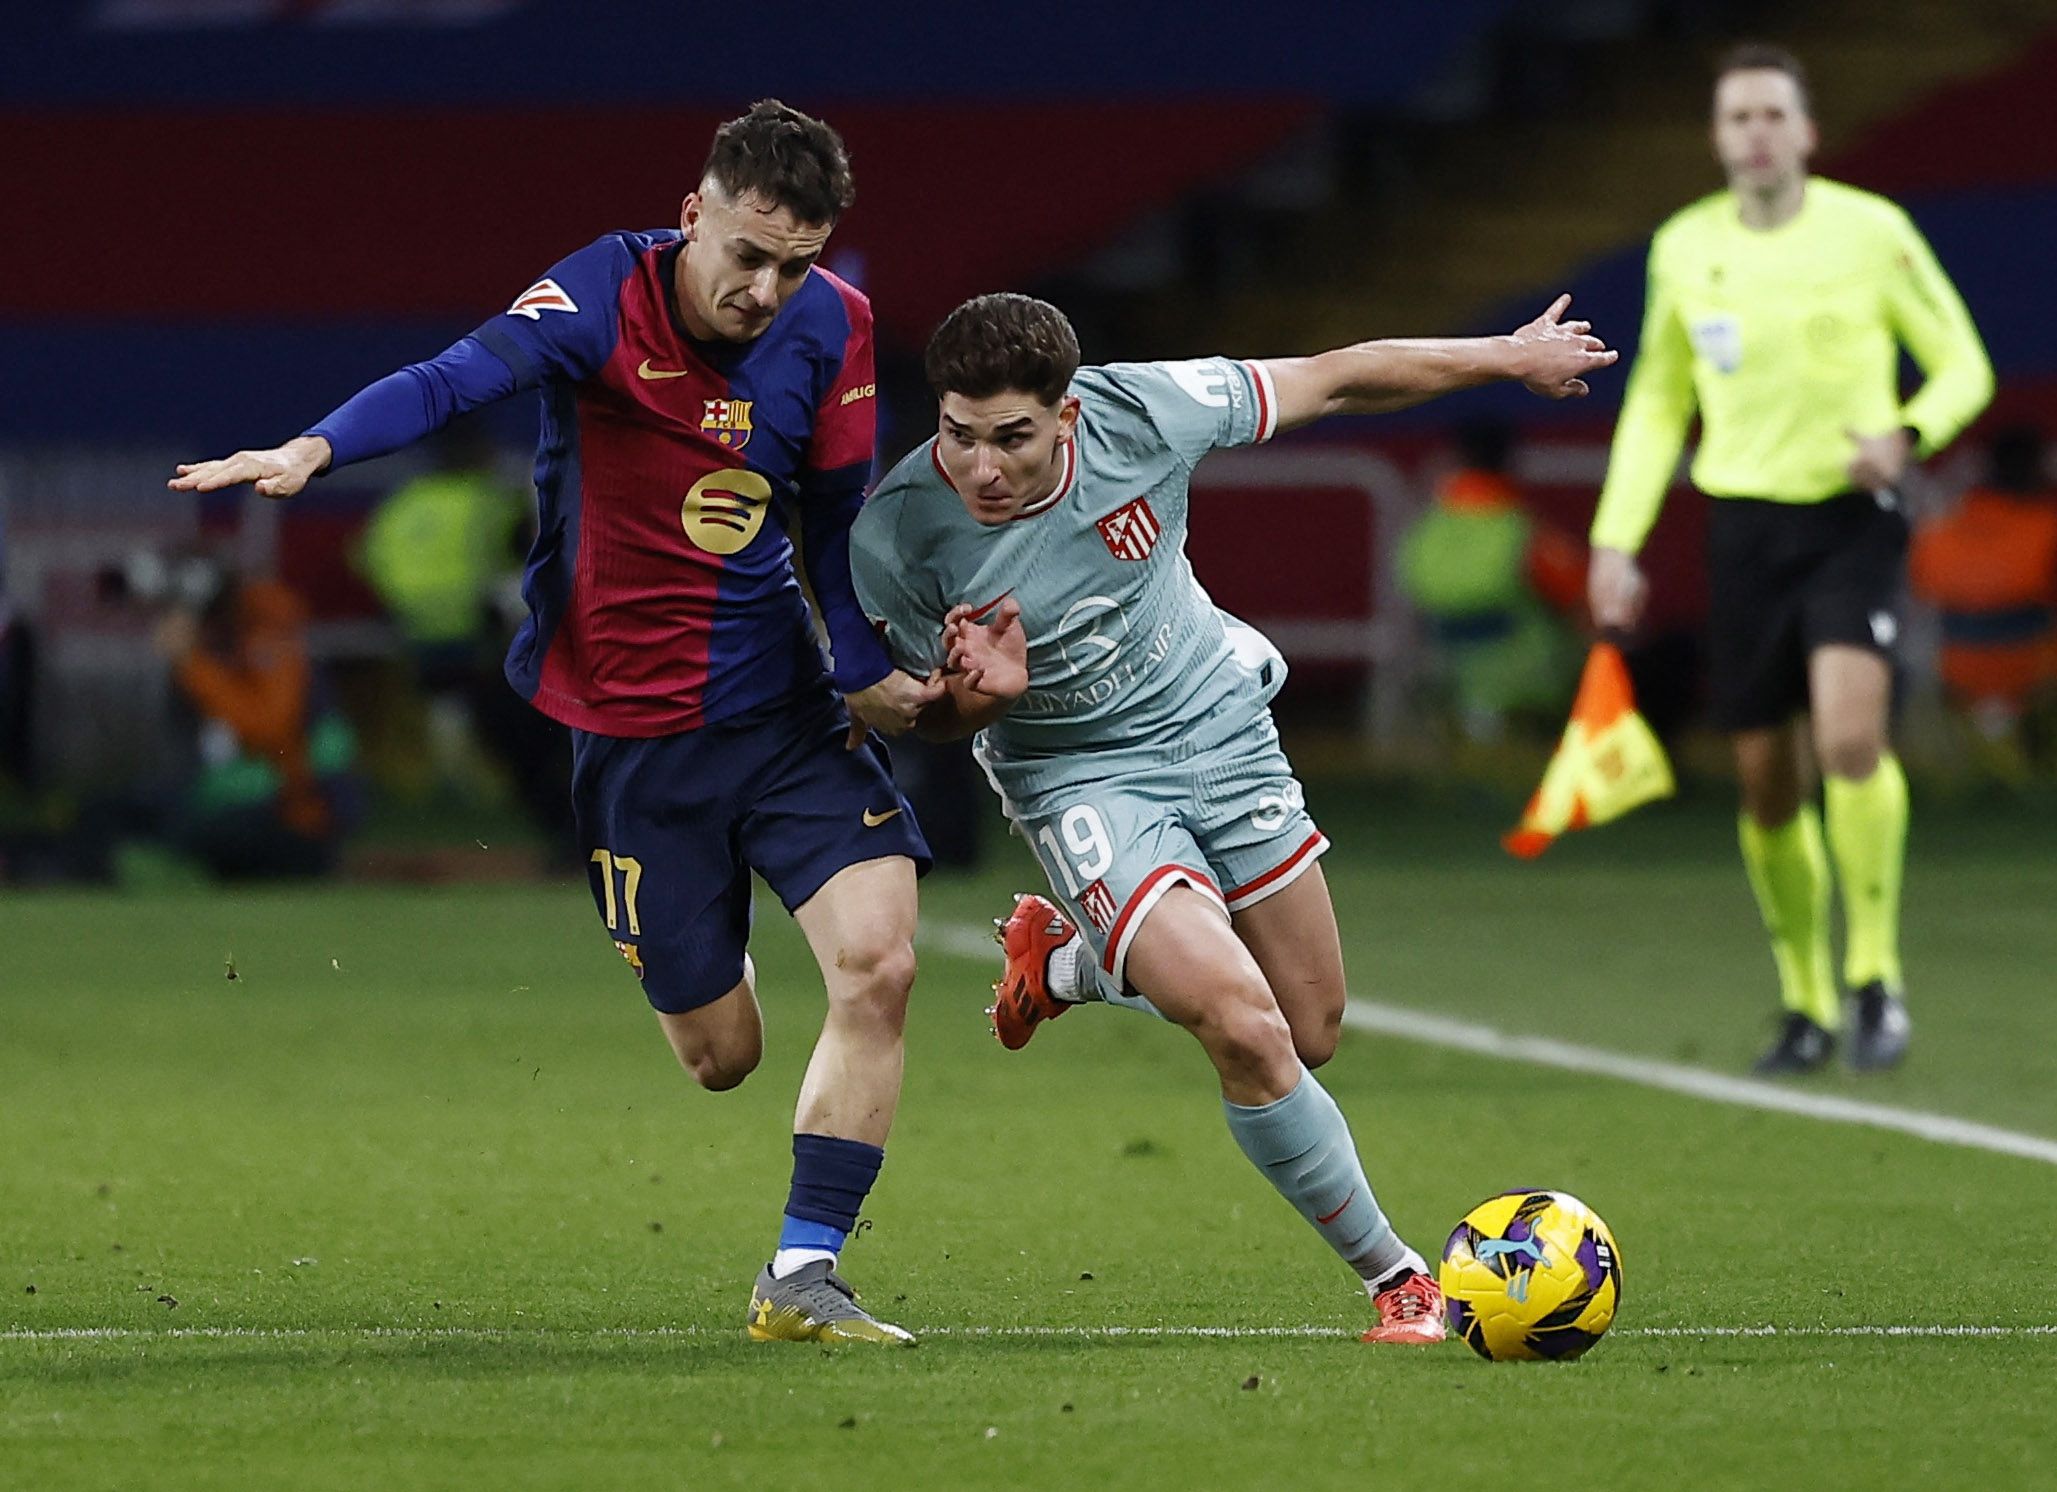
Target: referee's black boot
<point x="1802" y="1046"/>
<point x="1878" y="1034"/>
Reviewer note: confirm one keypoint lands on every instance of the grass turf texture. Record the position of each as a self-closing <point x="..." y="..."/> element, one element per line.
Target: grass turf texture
<point x="436" y="1208"/>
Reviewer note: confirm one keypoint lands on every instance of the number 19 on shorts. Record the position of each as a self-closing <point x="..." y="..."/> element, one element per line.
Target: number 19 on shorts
<point x="1085" y="854"/>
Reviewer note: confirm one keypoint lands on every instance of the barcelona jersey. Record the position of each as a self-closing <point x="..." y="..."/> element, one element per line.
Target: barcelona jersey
<point x="672" y="477"/>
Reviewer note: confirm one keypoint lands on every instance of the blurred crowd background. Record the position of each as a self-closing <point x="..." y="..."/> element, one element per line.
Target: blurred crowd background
<point x="230" y="214"/>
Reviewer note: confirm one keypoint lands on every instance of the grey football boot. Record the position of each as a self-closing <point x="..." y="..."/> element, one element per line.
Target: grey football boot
<point x="813" y="1304"/>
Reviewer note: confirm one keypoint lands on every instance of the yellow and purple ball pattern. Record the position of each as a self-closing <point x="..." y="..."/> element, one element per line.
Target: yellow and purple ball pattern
<point x="1531" y="1274"/>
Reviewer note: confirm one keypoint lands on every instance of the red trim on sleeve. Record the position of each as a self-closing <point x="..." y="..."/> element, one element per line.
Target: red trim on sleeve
<point x="846" y="420"/>
<point x="1265" y="414"/>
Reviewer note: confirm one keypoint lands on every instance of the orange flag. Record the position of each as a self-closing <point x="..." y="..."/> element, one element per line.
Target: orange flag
<point x="1608" y="761"/>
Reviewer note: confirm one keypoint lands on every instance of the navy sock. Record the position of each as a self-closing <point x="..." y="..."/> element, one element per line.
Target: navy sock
<point x="831" y="1179"/>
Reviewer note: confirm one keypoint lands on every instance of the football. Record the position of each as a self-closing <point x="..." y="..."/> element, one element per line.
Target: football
<point x="1531" y="1274"/>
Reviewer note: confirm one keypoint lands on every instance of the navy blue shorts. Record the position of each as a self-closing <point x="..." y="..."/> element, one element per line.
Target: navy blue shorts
<point x="675" y="824"/>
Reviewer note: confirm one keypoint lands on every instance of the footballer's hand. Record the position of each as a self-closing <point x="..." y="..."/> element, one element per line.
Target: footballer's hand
<point x="279" y="472"/>
<point x="991" y="653"/>
<point x="1615" y="590"/>
<point x="891" y="706"/>
<point x="1880" y="461"/>
<point x="1552" y="355"/>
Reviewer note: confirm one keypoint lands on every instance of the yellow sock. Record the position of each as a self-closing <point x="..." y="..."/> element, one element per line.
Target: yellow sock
<point x="1788" y="869"/>
<point x="1867" y="833"/>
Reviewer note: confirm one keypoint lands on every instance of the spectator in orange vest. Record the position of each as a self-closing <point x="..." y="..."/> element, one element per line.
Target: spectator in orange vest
<point x="1989" y="566"/>
<point x="273" y="793"/>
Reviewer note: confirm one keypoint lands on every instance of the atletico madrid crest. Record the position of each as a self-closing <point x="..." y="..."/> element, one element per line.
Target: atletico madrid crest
<point x="1097" y="902"/>
<point x="1131" y="530"/>
<point x="728" y="421"/>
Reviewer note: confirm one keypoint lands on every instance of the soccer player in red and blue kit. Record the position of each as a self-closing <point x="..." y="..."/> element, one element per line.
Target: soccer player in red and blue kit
<point x="704" y="389"/>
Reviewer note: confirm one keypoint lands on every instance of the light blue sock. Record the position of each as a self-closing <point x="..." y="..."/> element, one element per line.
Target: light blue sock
<point x="1302" y="1145"/>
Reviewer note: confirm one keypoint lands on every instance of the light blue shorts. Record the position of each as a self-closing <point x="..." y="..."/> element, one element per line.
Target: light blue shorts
<point x="1228" y="819"/>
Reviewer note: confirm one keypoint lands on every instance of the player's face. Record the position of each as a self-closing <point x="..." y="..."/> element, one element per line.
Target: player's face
<point x="1005" y="452"/>
<point x="741" y="262"/>
<point x="1762" y="132"/>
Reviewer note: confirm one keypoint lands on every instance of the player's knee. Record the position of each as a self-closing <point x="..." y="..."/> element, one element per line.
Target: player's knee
<point x="1851" y="754"/>
<point x="1315" y="1039"/>
<point x="721" y="1063"/>
<point x="874" y="979"/>
<point x="1249" y="1038"/>
<point x="718" y="1072"/>
<point x="1316" y="1015"/>
<point x="1771" y="803"/>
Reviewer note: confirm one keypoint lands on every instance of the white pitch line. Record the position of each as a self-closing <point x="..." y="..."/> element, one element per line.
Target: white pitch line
<point x="1430" y="1029"/>
<point x="1694" y="1082"/>
<point x="1038" y="1333"/>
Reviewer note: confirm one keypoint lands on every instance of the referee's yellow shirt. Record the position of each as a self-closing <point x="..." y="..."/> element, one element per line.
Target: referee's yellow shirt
<point x="1785" y="340"/>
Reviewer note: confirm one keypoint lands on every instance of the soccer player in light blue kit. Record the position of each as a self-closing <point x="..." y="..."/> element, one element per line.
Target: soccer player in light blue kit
<point x="1032" y="553"/>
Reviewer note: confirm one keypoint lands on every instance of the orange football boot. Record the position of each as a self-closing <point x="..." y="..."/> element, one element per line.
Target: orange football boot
<point x="1021" y="996"/>
<point x="1410" y="1314"/>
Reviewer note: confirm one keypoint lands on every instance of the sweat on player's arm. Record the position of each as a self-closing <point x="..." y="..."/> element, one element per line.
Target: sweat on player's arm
<point x="1549" y="355"/>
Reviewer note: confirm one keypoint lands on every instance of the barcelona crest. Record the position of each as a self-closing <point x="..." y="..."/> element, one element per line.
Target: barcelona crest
<point x="728" y="421"/>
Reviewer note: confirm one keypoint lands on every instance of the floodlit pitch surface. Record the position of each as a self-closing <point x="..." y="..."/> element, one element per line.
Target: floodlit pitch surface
<point x="419" y="1199"/>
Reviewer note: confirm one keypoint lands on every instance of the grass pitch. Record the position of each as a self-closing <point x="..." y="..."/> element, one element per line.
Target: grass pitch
<point x="420" y="1199"/>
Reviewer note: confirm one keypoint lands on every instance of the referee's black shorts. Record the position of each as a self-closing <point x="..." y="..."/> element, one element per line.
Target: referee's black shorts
<point x="1785" y="578"/>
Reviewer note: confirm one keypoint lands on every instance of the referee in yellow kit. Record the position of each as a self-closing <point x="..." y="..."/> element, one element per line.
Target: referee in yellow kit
<point x="1777" y="309"/>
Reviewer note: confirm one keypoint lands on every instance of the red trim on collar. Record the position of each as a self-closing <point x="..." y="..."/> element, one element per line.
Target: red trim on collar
<point x="1064" y="483"/>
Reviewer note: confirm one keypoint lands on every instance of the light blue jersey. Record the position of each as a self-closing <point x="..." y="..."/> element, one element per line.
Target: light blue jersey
<point x="1125" y="647"/>
<point x="1143" y="755"/>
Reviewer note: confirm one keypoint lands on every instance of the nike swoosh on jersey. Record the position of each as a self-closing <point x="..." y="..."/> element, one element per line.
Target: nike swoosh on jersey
<point x="873" y="820"/>
<point x="644" y="370"/>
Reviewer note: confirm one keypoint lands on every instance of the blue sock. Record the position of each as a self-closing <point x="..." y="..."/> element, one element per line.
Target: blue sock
<point x="831" y="1179"/>
<point x="1302" y="1145"/>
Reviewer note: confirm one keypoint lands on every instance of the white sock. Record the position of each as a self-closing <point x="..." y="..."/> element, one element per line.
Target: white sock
<point x="1412" y="1264"/>
<point x="785" y="1261"/>
<point x="1069" y="972"/>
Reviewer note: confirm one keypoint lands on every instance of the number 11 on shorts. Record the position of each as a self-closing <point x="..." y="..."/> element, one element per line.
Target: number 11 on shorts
<point x="1086" y="837"/>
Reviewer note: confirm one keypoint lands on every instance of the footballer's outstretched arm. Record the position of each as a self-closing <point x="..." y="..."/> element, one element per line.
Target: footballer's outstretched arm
<point x="1550" y="355"/>
<point x="397" y="410"/>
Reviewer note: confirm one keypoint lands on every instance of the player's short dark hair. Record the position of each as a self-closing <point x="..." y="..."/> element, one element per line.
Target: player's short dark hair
<point x="999" y="344"/>
<point x="1764" y="56"/>
<point x="786" y="158"/>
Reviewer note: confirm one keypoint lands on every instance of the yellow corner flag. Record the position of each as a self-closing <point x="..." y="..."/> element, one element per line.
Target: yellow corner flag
<point x="1608" y="762"/>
